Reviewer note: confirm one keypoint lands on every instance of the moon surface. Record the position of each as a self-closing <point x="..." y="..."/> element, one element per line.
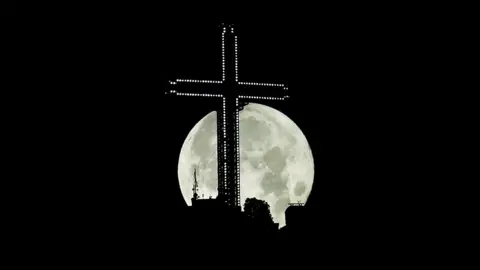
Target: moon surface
<point x="276" y="162"/>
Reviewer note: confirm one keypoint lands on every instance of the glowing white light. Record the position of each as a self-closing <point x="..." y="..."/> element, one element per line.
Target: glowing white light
<point x="236" y="59"/>
<point x="223" y="54"/>
<point x="262" y="84"/>
<point x="196" y="95"/>
<point x="225" y="164"/>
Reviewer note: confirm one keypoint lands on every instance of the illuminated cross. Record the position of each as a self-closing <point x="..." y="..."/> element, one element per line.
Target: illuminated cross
<point x="233" y="95"/>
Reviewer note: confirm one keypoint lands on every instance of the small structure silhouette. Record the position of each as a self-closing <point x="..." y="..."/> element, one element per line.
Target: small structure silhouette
<point x="295" y="221"/>
<point x="213" y="216"/>
<point x="294" y="214"/>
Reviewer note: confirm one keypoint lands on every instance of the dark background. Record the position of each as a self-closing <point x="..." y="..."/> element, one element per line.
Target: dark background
<point x="8" y="8"/>
<point x="108" y="139"/>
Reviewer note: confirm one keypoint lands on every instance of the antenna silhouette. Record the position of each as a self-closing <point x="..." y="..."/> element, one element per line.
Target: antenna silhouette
<point x="195" y="183"/>
<point x="298" y="203"/>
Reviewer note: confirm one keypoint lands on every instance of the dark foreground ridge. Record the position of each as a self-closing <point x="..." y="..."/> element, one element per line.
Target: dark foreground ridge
<point x="217" y="221"/>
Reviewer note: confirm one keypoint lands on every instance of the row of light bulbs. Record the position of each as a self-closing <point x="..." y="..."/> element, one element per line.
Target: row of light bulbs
<point x="223" y="54"/>
<point x="238" y="141"/>
<point x="224" y="119"/>
<point x="225" y="172"/>
<point x="262" y="84"/>
<point x="224" y="130"/>
<point x="195" y="94"/>
<point x="236" y="59"/>
<point x="265" y="98"/>
<point x="219" y="82"/>
<point x="219" y="95"/>
<point x="238" y="156"/>
<point x="196" y="81"/>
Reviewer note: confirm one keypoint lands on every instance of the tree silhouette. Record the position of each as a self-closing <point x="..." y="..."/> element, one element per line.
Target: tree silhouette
<point x="257" y="210"/>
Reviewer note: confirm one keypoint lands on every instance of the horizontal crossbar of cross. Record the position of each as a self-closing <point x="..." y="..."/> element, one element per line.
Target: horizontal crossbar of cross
<point x="217" y="86"/>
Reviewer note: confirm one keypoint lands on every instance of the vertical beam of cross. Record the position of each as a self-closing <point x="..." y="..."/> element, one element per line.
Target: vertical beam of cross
<point x="234" y="95"/>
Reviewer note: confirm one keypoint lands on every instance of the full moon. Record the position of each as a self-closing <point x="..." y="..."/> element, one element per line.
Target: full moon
<point x="276" y="162"/>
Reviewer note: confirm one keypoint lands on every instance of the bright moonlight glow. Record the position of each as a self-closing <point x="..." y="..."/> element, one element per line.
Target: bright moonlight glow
<point x="276" y="163"/>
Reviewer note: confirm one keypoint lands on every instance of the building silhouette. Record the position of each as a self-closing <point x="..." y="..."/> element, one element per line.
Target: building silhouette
<point x="295" y="218"/>
<point x="213" y="216"/>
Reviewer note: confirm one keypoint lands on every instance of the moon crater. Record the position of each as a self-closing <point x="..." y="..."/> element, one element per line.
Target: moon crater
<point x="300" y="188"/>
<point x="272" y="183"/>
<point x="275" y="159"/>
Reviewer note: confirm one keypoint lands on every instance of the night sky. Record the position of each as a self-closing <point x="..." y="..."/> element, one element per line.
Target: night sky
<point x="114" y="138"/>
<point x="8" y="8"/>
